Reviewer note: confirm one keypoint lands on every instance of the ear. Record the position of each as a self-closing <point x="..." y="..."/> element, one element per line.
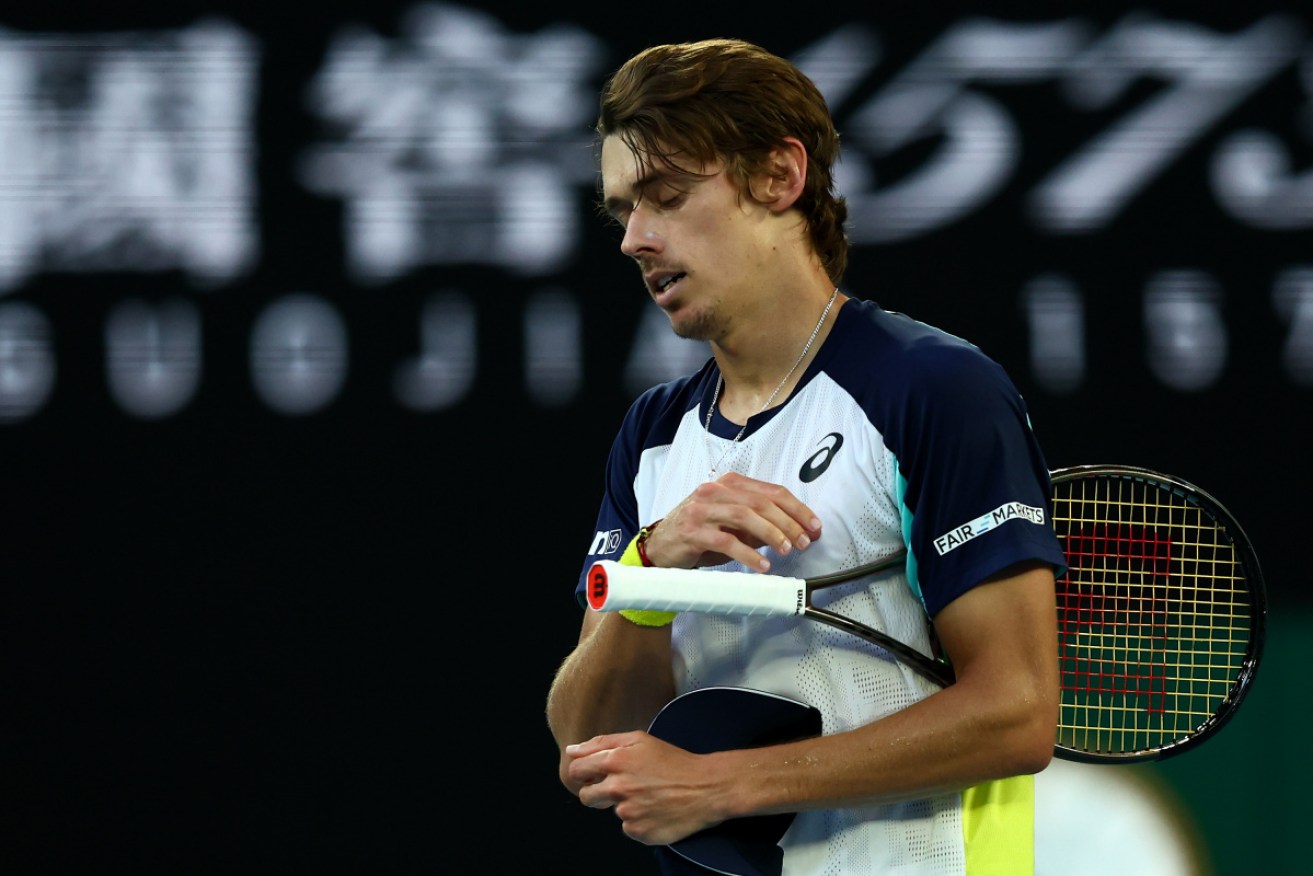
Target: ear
<point x="780" y="185"/>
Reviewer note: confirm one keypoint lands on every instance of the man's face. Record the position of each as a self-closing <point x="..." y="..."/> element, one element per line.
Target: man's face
<point x="697" y="242"/>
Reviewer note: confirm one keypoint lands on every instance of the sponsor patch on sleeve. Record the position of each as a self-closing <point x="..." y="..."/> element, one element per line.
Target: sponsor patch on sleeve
<point x="960" y="535"/>
<point x="604" y="542"/>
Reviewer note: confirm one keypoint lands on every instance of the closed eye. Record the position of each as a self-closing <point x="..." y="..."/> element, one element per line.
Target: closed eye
<point x="672" y="200"/>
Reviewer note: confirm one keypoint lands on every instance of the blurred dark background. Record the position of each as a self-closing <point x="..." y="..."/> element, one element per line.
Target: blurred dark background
<point x="312" y="347"/>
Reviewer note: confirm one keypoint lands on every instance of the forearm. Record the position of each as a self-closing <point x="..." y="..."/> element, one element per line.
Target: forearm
<point x="996" y="720"/>
<point x="617" y="678"/>
<point x="952" y="740"/>
<point x="948" y="742"/>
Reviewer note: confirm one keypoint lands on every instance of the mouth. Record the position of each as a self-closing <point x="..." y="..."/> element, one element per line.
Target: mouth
<point x="662" y="284"/>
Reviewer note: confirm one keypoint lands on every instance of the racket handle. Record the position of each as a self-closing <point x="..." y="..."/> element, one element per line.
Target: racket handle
<point x="612" y="587"/>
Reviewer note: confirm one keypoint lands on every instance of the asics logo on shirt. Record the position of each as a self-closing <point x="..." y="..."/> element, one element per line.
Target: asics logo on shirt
<point x="819" y="461"/>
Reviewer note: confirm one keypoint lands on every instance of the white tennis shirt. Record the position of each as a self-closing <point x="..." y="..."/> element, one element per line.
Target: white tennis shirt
<point x="898" y="435"/>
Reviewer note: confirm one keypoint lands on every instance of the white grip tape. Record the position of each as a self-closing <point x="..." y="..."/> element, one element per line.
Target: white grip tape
<point x="612" y="587"/>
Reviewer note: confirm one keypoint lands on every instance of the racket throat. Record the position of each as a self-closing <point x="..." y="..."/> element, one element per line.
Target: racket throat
<point x="937" y="670"/>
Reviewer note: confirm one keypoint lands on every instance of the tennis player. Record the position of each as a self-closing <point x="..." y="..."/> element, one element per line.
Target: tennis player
<point x="821" y="433"/>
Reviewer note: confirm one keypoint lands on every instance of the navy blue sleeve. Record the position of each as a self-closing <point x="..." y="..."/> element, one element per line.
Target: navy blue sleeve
<point x="649" y="423"/>
<point x="617" y="517"/>
<point x="976" y="482"/>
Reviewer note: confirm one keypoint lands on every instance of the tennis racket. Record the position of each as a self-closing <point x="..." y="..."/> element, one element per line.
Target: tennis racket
<point x="1161" y="612"/>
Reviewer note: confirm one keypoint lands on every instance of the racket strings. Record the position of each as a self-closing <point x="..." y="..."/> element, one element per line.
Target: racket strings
<point x="1154" y="614"/>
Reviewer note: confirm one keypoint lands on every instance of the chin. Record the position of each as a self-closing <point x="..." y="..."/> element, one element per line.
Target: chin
<point x="693" y="324"/>
<point x="692" y="329"/>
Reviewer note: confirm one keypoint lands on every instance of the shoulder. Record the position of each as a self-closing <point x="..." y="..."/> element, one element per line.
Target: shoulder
<point x="905" y="360"/>
<point x="895" y="337"/>
<point x="655" y="414"/>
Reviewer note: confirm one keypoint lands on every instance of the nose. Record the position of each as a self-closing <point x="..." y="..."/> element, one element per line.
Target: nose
<point x="640" y="237"/>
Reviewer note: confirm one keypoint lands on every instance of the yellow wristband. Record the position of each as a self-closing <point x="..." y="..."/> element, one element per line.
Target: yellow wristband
<point x="643" y="618"/>
<point x="631" y="557"/>
<point x="648" y="618"/>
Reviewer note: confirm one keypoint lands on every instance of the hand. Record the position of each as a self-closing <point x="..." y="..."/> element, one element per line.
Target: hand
<point x="728" y="519"/>
<point x="660" y="792"/>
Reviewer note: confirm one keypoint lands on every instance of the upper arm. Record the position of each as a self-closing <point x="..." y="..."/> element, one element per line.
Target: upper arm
<point x="1002" y="636"/>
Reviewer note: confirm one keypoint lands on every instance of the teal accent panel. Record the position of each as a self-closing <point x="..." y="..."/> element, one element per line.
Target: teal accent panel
<point x="913" y="577"/>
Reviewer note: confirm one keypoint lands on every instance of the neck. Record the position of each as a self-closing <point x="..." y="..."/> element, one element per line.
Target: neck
<point x="759" y="371"/>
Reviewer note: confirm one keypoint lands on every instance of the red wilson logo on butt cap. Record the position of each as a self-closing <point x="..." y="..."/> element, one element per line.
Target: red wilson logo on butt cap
<point x="597" y="586"/>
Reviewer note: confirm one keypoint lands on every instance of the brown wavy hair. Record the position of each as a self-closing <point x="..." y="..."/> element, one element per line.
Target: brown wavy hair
<point x="724" y="100"/>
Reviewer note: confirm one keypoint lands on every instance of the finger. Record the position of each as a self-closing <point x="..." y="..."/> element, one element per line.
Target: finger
<point x="795" y="519"/>
<point x="760" y="514"/>
<point x="588" y="770"/>
<point x="592" y="746"/>
<point x="594" y="797"/>
<point x="732" y="533"/>
<point x="726" y="546"/>
<point x="730" y="518"/>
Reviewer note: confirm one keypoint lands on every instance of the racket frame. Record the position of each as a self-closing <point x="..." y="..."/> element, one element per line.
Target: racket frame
<point x="1226" y="523"/>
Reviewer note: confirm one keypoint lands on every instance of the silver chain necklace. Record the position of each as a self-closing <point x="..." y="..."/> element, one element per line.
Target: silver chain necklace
<point x="715" y="396"/>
